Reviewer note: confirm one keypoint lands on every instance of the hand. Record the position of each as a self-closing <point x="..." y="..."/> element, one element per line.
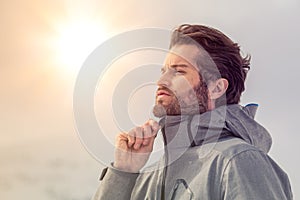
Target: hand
<point x="134" y="148"/>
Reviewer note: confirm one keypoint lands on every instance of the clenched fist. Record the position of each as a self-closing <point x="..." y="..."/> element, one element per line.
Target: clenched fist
<point x="134" y="148"/>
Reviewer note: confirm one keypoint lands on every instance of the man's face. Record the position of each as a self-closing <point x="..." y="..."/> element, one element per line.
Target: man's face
<point x="179" y="87"/>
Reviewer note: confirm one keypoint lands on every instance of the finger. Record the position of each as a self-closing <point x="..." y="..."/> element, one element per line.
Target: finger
<point x="138" y="137"/>
<point x="154" y="126"/>
<point x="131" y="138"/>
<point x="119" y="138"/>
<point x="147" y="134"/>
<point x="122" y="136"/>
<point x="121" y="141"/>
<point x="151" y="142"/>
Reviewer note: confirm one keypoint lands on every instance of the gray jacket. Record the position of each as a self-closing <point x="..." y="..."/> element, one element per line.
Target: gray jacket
<point x="221" y="154"/>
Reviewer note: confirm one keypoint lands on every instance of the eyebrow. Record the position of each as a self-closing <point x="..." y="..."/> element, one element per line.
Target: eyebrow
<point x="175" y="66"/>
<point x="179" y="65"/>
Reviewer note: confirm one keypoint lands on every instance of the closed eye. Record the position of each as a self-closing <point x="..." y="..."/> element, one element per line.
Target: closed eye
<point x="180" y="72"/>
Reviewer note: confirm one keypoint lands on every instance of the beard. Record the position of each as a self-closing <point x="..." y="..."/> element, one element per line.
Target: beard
<point x="194" y="102"/>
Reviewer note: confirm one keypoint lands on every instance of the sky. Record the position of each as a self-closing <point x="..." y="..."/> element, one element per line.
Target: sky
<point x="45" y="43"/>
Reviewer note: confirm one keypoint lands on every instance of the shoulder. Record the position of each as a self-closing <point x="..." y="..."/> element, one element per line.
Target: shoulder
<point x="250" y="171"/>
<point x="243" y="159"/>
<point x="233" y="153"/>
<point x="226" y="149"/>
<point x="233" y="146"/>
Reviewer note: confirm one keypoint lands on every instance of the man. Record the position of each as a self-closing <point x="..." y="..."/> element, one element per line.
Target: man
<point x="214" y="149"/>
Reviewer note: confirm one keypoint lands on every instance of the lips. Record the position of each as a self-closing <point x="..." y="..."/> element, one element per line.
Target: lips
<point x="162" y="92"/>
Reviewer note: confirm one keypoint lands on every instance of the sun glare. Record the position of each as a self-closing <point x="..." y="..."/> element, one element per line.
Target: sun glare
<point x="75" y="41"/>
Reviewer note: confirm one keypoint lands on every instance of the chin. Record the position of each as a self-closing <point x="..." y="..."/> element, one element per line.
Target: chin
<point x="159" y="111"/>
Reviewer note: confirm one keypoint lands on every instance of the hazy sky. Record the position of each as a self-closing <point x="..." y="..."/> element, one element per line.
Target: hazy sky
<point x="43" y="44"/>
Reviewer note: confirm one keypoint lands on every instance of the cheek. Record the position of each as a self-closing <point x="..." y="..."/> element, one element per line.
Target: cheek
<point x="183" y="86"/>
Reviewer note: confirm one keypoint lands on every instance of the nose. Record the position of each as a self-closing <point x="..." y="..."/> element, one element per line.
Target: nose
<point x="164" y="80"/>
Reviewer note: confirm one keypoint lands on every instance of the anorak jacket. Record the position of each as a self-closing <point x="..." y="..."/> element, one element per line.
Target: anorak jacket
<point x="217" y="155"/>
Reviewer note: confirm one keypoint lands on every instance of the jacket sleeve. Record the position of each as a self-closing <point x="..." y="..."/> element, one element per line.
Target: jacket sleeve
<point x="254" y="175"/>
<point x="116" y="185"/>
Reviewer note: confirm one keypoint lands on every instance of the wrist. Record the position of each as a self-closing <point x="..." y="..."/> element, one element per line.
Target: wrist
<point x="128" y="169"/>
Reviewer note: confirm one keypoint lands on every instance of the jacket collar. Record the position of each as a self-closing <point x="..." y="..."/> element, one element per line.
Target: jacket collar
<point x="182" y="131"/>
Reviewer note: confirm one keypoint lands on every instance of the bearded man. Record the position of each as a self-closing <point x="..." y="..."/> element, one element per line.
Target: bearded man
<point x="214" y="149"/>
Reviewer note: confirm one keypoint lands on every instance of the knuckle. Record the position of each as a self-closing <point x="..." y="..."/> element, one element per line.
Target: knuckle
<point x="139" y="140"/>
<point x="132" y="132"/>
<point x="139" y="132"/>
<point x="119" y="136"/>
<point x="139" y="129"/>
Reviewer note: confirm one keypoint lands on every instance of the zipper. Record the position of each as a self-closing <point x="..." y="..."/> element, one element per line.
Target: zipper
<point x="165" y="170"/>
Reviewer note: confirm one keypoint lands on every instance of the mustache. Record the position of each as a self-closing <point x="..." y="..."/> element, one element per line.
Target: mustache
<point x="163" y="88"/>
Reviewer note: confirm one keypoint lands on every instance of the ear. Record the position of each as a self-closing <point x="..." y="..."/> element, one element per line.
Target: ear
<point x="217" y="88"/>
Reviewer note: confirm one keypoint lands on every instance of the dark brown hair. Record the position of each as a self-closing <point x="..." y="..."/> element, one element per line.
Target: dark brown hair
<point x="221" y="52"/>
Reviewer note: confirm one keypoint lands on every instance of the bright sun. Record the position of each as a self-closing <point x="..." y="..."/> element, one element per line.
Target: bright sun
<point x="75" y="41"/>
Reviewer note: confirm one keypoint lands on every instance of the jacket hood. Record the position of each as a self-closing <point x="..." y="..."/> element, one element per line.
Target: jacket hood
<point x="234" y="120"/>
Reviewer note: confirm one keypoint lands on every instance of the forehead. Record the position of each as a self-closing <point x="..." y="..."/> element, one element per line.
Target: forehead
<point x="183" y="54"/>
